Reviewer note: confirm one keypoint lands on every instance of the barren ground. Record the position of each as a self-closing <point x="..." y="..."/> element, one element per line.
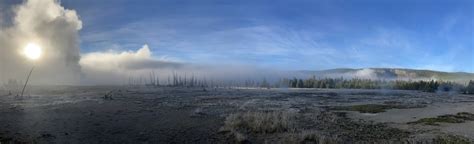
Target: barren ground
<point x="64" y="114"/>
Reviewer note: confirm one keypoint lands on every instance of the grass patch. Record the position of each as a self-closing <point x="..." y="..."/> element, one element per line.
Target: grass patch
<point x="373" y="108"/>
<point x="451" y="139"/>
<point x="258" y="122"/>
<point x="308" y="137"/>
<point x="239" y="126"/>
<point x="457" y="118"/>
<point x="325" y="127"/>
<point x="346" y="129"/>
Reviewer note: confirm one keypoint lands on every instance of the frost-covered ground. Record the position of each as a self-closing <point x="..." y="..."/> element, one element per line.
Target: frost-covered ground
<point x="222" y="115"/>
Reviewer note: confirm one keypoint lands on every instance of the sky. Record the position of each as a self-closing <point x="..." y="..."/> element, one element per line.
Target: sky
<point x="286" y="35"/>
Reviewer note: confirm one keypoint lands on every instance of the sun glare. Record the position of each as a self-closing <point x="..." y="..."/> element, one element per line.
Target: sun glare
<point x="32" y="51"/>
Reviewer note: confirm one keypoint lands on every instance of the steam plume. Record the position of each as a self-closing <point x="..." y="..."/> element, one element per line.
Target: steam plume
<point x="50" y="25"/>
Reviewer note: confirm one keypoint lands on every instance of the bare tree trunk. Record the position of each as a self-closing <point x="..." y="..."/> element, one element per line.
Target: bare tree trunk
<point x="27" y="79"/>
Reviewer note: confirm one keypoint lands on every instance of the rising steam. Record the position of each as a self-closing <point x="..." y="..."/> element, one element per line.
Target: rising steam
<point x="46" y="23"/>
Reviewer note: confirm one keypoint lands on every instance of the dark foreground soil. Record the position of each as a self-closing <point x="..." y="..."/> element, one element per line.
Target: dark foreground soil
<point x="196" y="115"/>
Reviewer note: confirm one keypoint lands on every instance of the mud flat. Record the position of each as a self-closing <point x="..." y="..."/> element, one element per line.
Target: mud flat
<point x="111" y="114"/>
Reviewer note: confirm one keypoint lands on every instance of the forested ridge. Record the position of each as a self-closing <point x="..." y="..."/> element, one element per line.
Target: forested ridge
<point x="356" y="83"/>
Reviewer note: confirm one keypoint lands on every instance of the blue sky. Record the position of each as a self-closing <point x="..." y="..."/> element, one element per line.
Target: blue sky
<point x="287" y="35"/>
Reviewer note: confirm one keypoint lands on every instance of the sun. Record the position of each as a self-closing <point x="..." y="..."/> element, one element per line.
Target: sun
<point x="32" y="51"/>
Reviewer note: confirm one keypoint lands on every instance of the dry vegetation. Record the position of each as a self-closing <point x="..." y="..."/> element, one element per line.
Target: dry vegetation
<point x="451" y="139"/>
<point x="321" y="127"/>
<point x="457" y="118"/>
<point x="374" y="108"/>
<point x="259" y="122"/>
<point x="285" y="127"/>
<point x="243" y="123"/>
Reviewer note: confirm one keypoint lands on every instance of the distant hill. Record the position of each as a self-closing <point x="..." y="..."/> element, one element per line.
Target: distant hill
<point x="393" y="73"/>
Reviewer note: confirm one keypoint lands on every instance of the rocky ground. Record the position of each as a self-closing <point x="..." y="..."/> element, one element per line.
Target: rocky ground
<point x="109" y="114"/>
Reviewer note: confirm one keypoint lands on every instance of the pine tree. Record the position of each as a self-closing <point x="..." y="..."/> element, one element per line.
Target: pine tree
<point x="300" y="83"/>
<point x="470" y="87"/>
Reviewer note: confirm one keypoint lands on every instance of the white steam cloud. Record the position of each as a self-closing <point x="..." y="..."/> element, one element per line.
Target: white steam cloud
<point x="55" y="29"/>
<point x="122" y="61"/>
<point x="113" y="67"/>
<point x="365" y="74"/>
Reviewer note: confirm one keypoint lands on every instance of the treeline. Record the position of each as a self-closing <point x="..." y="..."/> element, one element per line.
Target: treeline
<point x="177" y="80"/>
<point x="341" y="83"/>
<point x="180" y="80"/>
<point x="469" y="89"/>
